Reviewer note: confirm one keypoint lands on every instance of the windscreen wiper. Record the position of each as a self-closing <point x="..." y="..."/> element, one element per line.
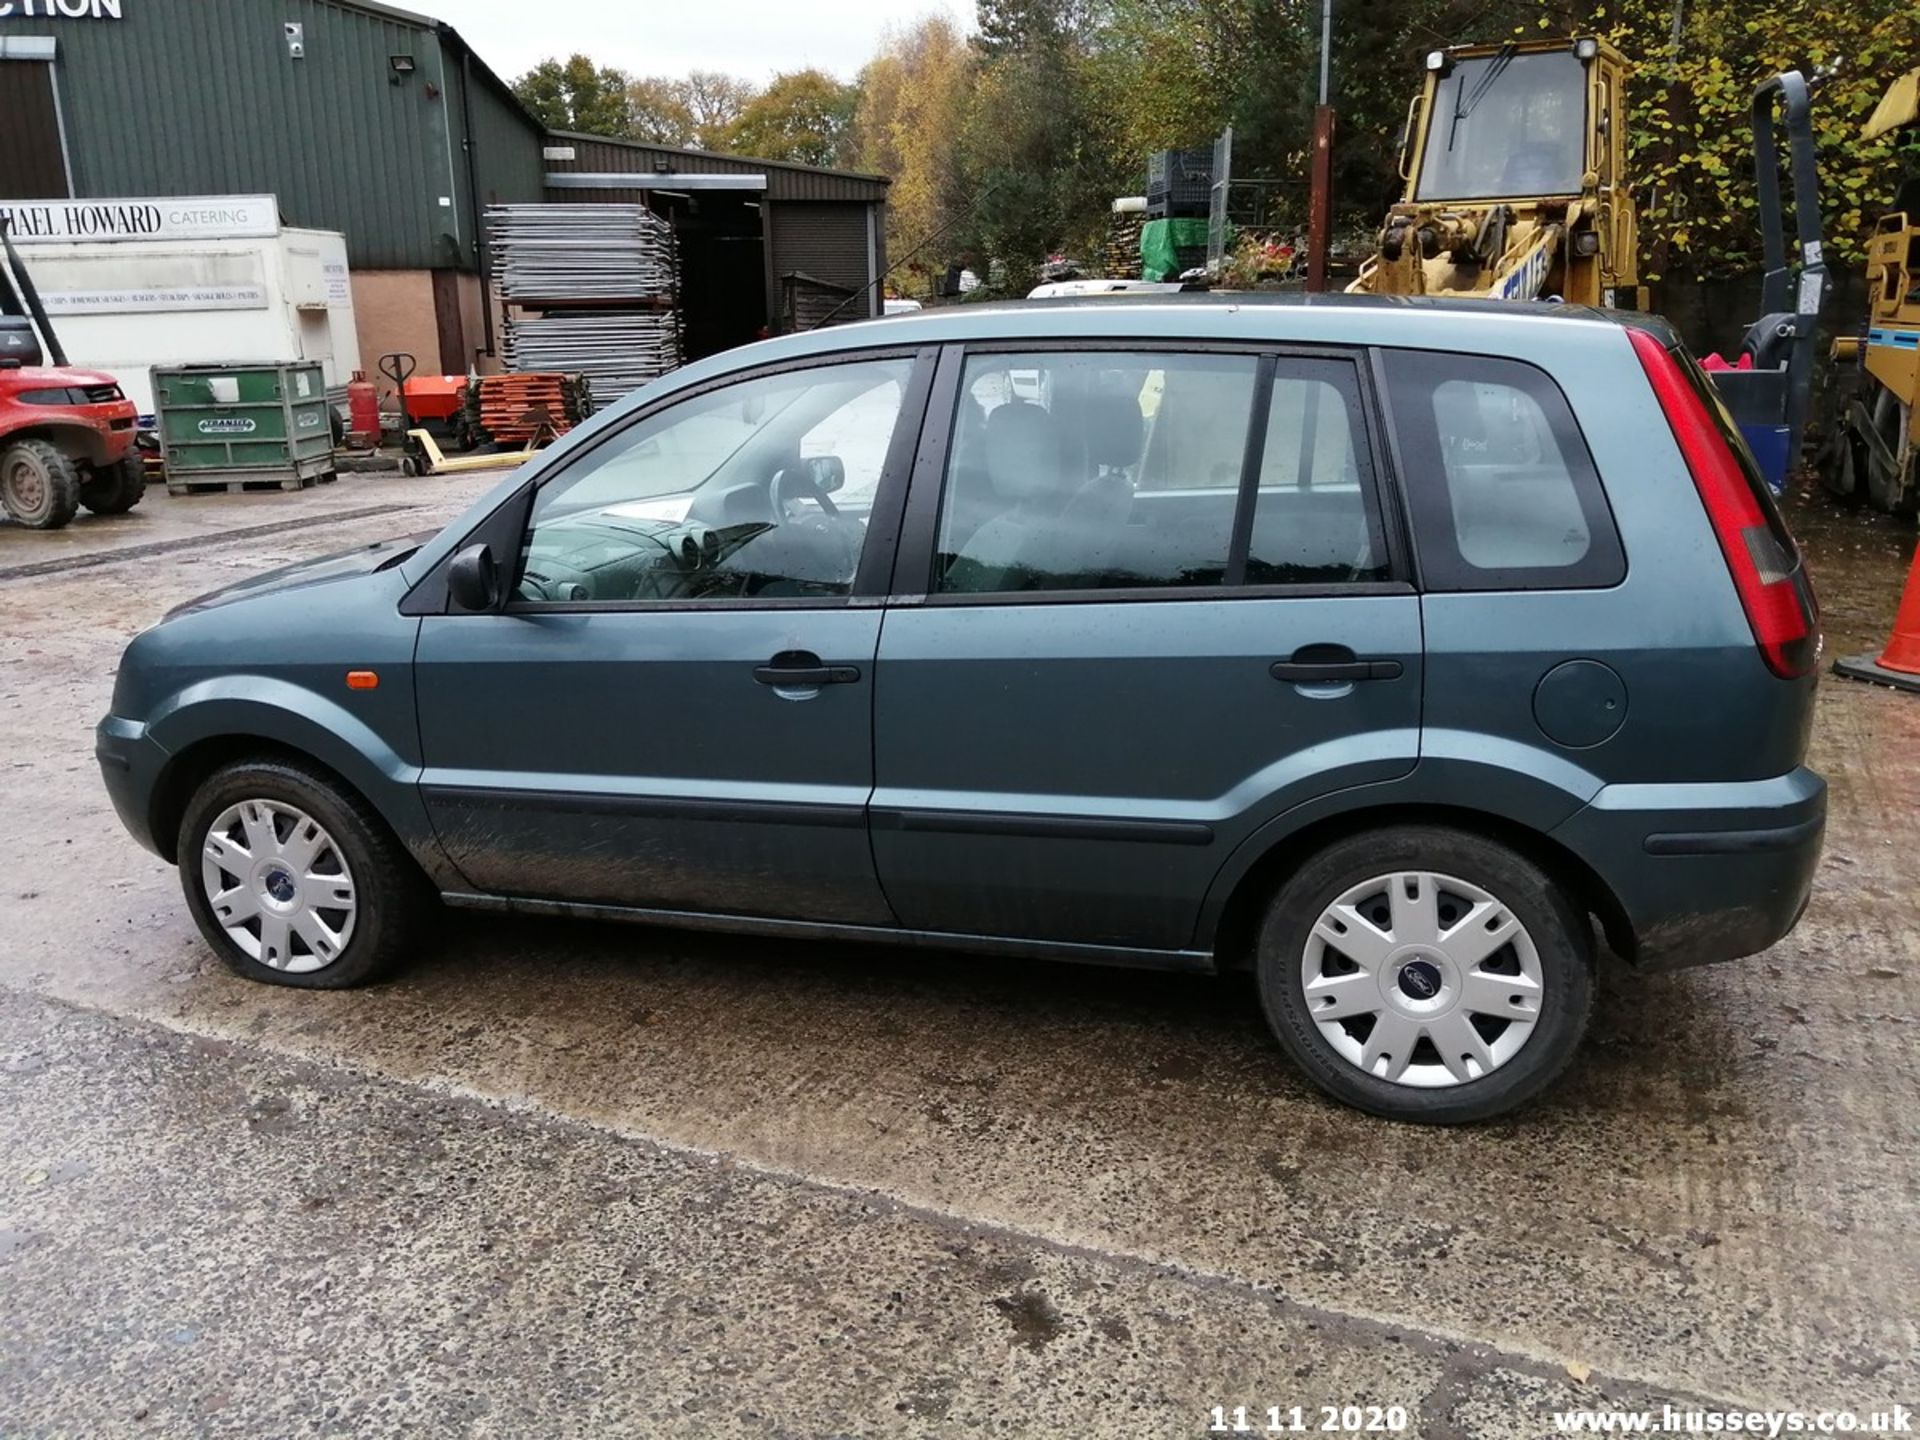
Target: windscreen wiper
<point x="1465" y="104"/>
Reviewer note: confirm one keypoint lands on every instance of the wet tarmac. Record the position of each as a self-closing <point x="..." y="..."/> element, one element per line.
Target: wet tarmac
<point x="569" y="1179"/>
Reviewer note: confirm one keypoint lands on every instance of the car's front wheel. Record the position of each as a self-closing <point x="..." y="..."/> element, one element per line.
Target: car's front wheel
<point x="295" y="880"/>
<point x="1426" y="974"/>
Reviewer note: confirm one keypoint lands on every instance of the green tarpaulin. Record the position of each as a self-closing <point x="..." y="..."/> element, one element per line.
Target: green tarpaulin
<point x="1161" y="242"/>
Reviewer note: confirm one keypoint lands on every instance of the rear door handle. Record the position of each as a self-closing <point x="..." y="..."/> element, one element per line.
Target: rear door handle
<point x="1332" y="665"/>
<point x="796" y="669"/>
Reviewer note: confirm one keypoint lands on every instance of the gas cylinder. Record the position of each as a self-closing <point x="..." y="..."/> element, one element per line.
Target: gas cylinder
<point x="363" y="408"/>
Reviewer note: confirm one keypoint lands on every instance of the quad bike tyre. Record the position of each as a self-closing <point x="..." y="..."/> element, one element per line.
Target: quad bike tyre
<point x="39" y="484"/>
<point x="115" y="489"/>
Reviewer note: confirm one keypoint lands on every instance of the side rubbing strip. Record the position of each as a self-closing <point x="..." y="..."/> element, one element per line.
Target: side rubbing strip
<point x="1050" y="827"/>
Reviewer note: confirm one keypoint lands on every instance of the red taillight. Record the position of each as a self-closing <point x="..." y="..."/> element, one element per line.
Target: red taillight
<point x="1766" y="568"/>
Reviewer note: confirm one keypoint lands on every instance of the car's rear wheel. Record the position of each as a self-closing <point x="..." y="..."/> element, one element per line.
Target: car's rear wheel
<point x="1426" y="974"/>
<point x="294" y="880"/>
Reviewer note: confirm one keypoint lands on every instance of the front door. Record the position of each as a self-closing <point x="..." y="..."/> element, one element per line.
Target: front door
<point x="675" y="710"/>
<point x="1160" y="611"/>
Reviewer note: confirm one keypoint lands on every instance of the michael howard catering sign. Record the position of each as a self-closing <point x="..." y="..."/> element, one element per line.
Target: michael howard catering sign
<point x="180" y="217"/>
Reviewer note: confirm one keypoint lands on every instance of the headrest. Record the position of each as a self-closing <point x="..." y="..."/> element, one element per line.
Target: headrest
<point x="1023" y="453"/>
<point x="1115" y="430"/>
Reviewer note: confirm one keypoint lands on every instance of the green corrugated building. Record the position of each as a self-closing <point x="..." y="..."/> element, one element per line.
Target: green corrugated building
<point x="384" y="125"/>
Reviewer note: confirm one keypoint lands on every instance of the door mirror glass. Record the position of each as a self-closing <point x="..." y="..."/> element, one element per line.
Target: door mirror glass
<point x="473" y="579"/>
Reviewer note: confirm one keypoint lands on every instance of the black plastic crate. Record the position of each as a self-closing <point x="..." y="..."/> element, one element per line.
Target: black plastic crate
<point x="1179" y="182"/>
<point x="1165" y="209"/>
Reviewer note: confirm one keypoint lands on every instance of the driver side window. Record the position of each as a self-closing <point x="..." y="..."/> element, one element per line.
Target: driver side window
<point x="757" y="490"/>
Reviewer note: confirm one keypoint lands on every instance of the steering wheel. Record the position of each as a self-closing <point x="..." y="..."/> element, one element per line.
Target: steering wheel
<point x="791" y="486"/>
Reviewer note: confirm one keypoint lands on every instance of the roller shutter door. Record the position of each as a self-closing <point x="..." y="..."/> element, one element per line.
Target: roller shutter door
<point x="828" y="243"/>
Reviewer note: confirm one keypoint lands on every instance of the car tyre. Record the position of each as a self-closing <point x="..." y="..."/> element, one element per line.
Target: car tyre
<point x="320" y="911"/>
<point x="1544" y="970"/>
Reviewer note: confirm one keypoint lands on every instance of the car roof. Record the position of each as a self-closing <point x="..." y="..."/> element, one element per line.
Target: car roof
<point x="1412" y="321"/>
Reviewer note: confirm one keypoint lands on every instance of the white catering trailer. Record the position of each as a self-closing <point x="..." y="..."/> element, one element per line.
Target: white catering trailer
<point x="187" y="280"/>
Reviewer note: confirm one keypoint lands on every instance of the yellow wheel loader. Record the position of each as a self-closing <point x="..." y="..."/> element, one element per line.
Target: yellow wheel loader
<point x="1515" y="159"/>
<point x="1872" y="435"/>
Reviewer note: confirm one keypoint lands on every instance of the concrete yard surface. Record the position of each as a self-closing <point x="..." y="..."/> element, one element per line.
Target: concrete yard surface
<point x="568" y="1179"/>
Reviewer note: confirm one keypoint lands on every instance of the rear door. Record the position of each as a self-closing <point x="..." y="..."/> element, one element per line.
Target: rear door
<point x="1145" y="602"/>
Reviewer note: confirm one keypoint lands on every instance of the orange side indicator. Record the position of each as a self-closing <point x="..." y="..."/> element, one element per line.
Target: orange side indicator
<point x="363" y="680"/>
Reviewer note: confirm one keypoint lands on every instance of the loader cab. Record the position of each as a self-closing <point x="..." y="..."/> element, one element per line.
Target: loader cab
<point x="1523" y="122"/>
<point x="1514" y="165"/>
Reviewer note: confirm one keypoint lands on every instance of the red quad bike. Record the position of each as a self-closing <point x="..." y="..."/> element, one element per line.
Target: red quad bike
<point x="66" y="435"/>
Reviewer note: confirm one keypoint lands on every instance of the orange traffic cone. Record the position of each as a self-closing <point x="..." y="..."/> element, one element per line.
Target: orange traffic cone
<point x="1899" y="663"/>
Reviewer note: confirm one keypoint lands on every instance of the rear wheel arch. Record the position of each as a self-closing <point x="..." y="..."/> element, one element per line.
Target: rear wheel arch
<point x="1238" y="925"/>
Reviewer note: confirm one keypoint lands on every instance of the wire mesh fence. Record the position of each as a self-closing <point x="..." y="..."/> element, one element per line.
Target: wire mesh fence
<point x="591" y="290"/>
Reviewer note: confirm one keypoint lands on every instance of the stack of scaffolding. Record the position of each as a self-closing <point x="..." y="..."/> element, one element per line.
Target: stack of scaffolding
<point x="591" y="290"/>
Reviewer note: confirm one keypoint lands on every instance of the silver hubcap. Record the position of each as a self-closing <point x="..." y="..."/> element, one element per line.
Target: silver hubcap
<point x="1422" y="979"/>
<point x="278" y="885"/>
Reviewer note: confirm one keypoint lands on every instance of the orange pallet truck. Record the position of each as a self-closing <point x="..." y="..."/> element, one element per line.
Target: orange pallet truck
<point x="1899" y="664"/>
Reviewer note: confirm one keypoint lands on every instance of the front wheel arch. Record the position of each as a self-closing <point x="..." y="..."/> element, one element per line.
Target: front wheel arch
<point x="1238" y="927"/>
<point x="187" y="771"/>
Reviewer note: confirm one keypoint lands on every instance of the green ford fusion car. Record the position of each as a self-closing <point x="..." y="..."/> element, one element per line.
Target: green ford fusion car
<point x="1380" y="648"/>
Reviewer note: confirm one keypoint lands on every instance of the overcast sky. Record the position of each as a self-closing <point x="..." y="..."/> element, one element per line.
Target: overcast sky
<point x="748" y="38"/>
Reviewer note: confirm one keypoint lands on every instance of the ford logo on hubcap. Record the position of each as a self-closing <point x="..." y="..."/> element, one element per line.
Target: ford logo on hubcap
<point x="1420" y="980"/>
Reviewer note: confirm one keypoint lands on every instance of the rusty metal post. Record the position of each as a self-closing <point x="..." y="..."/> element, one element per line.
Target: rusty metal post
<point x="1320" y="207"/>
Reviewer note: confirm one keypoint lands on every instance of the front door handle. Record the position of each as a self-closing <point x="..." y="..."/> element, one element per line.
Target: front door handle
<point x="1332" y="665"/>
<point x="797" y="669"/>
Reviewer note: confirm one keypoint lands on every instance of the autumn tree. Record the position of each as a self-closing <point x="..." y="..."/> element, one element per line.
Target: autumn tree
<point x="660" y="112"/>
<point x="1041" y="156"/>
<point x="1690" y="135"/>
<point x="805" y="116"/>
<point x="576" y="94"/>
<point x="714" y="100"/>
<point x="914" y="102"/>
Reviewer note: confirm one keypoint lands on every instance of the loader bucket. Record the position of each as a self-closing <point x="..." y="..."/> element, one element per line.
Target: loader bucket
<point x="1899" y="106"/>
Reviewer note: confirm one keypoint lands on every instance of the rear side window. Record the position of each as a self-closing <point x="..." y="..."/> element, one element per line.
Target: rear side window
<point x="1503" y="491"/>
<point x="1137" y="470"/>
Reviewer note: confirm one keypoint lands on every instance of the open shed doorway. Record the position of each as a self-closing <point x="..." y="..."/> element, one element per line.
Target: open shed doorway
<point x="723" y="258"/>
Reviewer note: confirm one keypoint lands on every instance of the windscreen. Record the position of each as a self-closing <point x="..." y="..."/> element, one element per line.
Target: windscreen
<point x="1507" y="125"/>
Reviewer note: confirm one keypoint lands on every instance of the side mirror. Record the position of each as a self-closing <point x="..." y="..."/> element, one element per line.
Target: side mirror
<point x="473" y="580"/>
<point x="826" y="473"/>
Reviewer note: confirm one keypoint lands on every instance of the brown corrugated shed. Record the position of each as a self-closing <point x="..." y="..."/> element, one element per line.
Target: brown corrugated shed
<point x="594" y="154"/>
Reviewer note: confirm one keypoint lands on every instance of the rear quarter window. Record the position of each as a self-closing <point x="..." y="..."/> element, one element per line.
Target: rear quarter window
<point x="1502" y="488"/>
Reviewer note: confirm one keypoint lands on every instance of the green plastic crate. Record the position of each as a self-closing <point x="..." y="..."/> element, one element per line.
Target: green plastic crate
<point x="235" y="425"/>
